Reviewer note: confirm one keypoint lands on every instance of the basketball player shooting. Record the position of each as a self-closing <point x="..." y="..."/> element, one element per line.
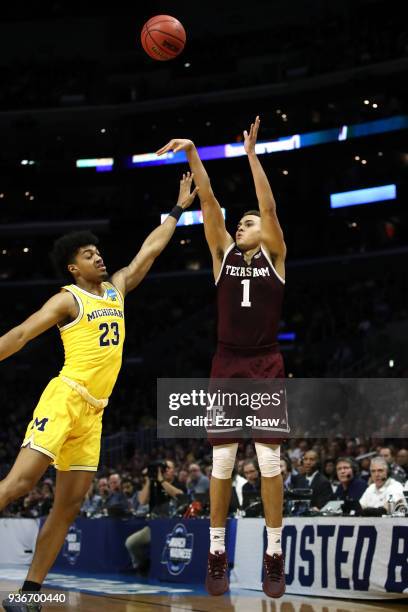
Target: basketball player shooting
<point x="248" y="317"/>
<point x="66" y="426"/>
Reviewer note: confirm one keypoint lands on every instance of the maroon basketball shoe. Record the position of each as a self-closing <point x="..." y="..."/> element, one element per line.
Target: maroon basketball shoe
<point x="216" y="581"/>
<point x="274" y="575"/>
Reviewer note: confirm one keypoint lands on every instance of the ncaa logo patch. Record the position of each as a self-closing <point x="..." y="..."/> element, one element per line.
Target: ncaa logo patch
<point x="111" y="294"/>
<point x="178" y="550"/>
<point x="72" y="545"/>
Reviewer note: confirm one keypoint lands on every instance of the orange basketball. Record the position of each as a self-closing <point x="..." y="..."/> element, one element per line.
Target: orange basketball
<point x="163" y="37"/>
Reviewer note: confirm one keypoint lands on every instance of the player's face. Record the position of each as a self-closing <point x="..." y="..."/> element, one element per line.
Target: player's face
<point x="248" y="234"/>
<point x="89" y="264"/>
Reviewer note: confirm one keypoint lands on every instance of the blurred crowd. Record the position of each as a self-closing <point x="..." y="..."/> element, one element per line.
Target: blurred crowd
<point x="174" y="479"/>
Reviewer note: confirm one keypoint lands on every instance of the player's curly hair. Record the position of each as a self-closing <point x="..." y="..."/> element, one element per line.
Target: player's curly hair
<point x="66" y="247"/>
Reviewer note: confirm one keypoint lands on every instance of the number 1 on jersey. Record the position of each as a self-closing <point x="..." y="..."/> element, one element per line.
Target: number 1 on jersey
<point x="245" y="298"/>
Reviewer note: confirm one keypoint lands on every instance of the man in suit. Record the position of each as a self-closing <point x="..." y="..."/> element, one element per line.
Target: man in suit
<point x="252" y="487"/>
<point x="291" y="480"/>
<point x="319" y="484"/>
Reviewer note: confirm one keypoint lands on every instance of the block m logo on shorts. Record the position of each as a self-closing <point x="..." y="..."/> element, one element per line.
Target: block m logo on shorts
<point x="40" y="425"/>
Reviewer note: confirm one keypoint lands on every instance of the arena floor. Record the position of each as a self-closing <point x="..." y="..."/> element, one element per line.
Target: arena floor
<point x="119" y="593"/>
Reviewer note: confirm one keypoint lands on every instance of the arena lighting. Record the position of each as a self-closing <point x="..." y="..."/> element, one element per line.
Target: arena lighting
<point x="285" y="143"/>
<point x="287" y="336"/>
<point x="363" y="196"/>
<point x="102" y="164"/>
<point x="190" y="217"/>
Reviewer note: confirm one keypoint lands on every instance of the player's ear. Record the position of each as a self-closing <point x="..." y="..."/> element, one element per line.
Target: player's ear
<point x="72" y="268"/>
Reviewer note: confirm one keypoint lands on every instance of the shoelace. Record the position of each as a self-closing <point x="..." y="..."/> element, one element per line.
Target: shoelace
<point x="274" y="567"/>
<point x="217" y="566"/>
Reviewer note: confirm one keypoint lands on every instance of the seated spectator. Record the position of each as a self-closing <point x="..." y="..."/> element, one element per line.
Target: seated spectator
<point x="128" y="489"/>
<point x="32" y="504"/>
<point x="321" y="488"/>
<point x="383" y="487"/>
<point x="402" y="460"/>
<point x="350" y="487"/>
<point x="103" y="490"/>
<point x="197" y="482"/>
<point x="47" y="497"/>
<point x="238" y="482"/>
<point x="182" y="476"/>
<point x="252" y="488"/>
<point x="92" y="503"/>
<point x="291" y="479"/>
<point x="397" y="472"/>
<point x="117" y="504"/>
<point x="329" y="470"/>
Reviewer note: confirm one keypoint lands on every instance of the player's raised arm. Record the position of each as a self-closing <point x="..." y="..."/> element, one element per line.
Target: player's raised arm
<point x="56" y="310"/>
<point x="129" y="277"/>
<point x="216" y="234"/>
<point x="271" y="231"/>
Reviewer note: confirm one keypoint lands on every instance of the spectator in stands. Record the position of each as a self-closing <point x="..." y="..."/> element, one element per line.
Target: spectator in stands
<point x="92" y="503"/>
<point x="117" y="504"/>
<point x="251" y="490"/>
<point x="47" y="497"/>
<point x="364" y="465"/>
<point x="103" y="488"/>
<point x="128" y="489"/>
<point x="197" y="482"/>
<point x="382" y="488"/>
<point x="402" y="460"/>
<point x="321" y="488"/>
<point x="397" y="472"/>
<point x="238" y="482"/>
<point x="291" y="478"/>
<point x="329" y="470"/>
<point x="183" y="476"/>
<point x="31" y="504"/>
<point x="350" y="486"/>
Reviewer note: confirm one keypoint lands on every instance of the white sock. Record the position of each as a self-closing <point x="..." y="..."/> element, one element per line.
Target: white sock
<point x="274" y="540"/>
<point x="217" y="539"/>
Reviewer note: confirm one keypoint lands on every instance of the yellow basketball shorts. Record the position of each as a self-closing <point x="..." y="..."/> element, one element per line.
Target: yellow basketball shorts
<point x="66" y="428"/>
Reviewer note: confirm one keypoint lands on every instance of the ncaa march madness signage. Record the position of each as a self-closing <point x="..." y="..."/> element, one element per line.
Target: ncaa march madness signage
<point x="178" y="550"/>
<point x="340" y="557"/>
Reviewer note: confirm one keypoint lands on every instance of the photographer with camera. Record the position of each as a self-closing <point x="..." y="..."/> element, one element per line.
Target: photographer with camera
<point x="159" y="488"/>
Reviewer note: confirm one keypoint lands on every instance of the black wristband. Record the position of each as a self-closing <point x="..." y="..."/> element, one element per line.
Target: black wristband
<point x="176" y="212"/>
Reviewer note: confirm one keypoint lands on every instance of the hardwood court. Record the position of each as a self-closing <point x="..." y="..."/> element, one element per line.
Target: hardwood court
<point x="253" y="602"/>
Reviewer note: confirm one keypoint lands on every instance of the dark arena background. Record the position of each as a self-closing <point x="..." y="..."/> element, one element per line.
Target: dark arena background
<point x="82" y="111"/>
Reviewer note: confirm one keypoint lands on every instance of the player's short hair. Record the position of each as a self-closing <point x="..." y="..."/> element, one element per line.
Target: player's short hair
<point x="252" y="212"/>
<point x="66" y="248"/>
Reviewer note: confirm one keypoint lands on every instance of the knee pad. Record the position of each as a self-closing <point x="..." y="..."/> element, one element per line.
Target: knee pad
<point x="224" y="460"/>
<point x="268" y="459"/>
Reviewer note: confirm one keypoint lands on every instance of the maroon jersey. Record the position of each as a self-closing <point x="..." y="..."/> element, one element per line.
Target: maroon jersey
<point x="249" y="298"/>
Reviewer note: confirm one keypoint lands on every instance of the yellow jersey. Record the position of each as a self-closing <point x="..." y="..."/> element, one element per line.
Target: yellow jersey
<point x="93" y="342"/>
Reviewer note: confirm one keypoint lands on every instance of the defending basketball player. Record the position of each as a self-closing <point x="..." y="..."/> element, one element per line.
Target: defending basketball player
<point x="248" y="316"/>
<point x="66" y="426"/>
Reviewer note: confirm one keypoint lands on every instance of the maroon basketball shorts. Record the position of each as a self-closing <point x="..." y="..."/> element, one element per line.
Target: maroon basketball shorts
<point x="255" y="363"/>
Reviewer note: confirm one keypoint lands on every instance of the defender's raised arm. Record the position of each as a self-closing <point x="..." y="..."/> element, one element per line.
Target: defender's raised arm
<point x="129" y="277"/>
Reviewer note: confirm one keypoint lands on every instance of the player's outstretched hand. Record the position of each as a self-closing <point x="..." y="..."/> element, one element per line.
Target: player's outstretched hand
<point x="250" y="139"/>
<point x="177" y="144"/>
<point x="186" y="198"/>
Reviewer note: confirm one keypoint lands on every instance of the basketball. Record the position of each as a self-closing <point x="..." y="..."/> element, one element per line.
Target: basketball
<point x="163" y="37"/>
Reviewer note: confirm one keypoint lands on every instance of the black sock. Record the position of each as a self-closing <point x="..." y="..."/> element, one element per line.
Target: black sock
<point x="30" y="587"/>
